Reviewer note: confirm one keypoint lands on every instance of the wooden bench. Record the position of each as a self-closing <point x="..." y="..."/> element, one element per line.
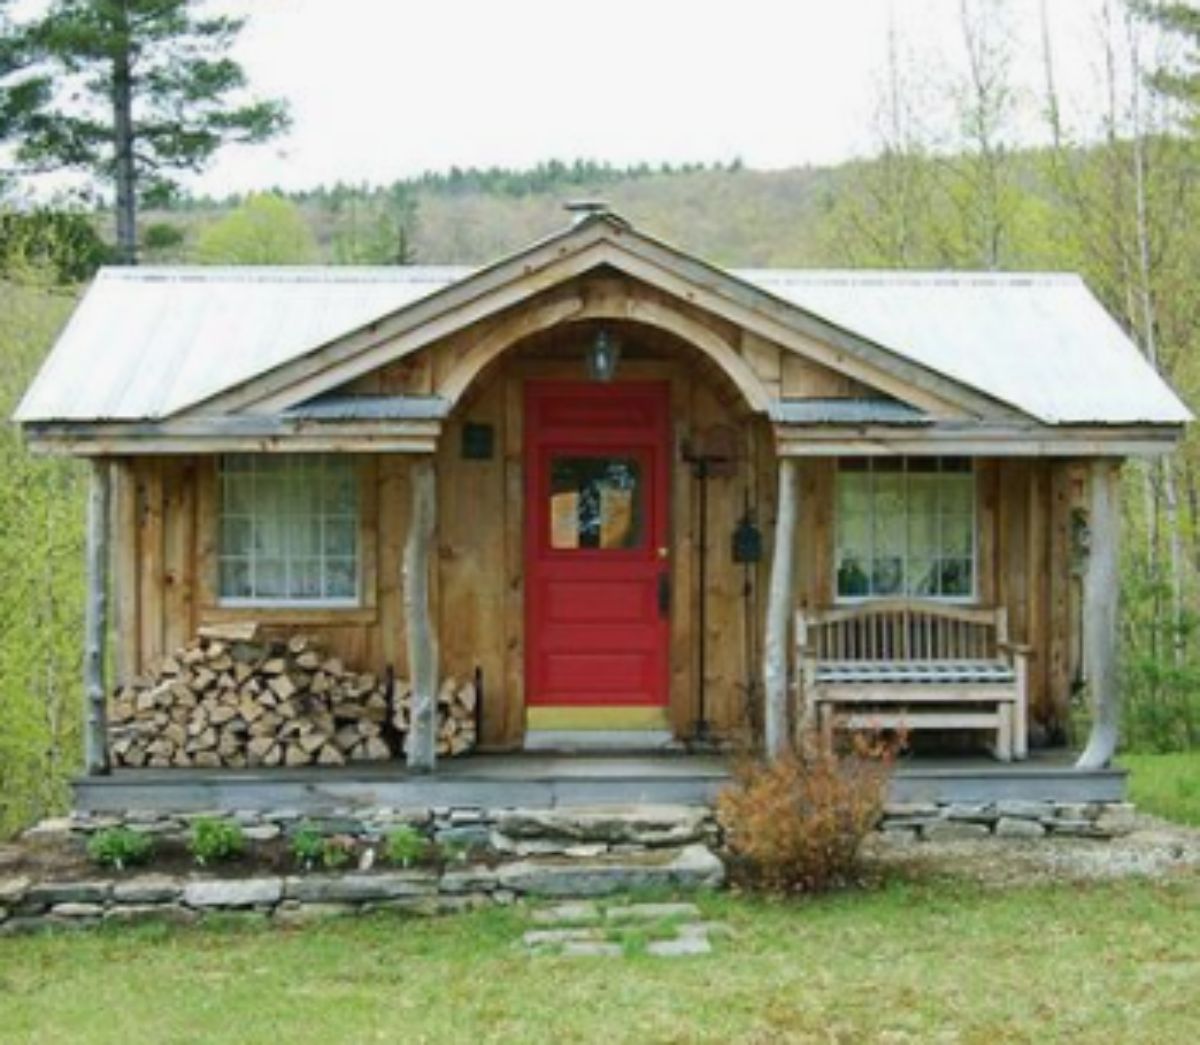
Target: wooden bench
<point x="911" y="664"/>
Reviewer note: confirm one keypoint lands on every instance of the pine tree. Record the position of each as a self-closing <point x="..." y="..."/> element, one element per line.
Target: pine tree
<point x="131" y="91"/>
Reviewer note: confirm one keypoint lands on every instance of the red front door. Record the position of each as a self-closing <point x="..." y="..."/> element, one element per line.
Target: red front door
<point x="597" y="574"/>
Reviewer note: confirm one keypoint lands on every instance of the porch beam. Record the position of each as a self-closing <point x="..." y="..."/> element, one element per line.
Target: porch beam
<point x="421" y="634"/>
<point x="1100" y="614"/>
<point x="780" y="601"/>
<point x="95" y="733"/>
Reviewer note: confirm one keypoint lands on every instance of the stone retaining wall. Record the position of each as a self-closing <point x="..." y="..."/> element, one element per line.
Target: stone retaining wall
<point x="1014" y="818"/>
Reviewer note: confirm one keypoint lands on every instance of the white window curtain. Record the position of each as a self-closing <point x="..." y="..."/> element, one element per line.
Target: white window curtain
<point x="288" y="529"/>
<point x="906" y="526"/>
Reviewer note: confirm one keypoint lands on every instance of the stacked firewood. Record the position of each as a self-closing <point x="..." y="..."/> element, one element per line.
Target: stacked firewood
<point x="243" y="702"/>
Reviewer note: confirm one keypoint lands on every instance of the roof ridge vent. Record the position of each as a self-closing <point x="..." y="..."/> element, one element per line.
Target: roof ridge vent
<point x="583" y="209"/>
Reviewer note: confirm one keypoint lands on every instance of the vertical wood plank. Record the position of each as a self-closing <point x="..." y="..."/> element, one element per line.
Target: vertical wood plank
<point x="125" y="570"/>
<point x="513" y="693"/>
<point x="684" y="605"/>
<point x="1058" y="682"/>
<point x="150" y="528"/>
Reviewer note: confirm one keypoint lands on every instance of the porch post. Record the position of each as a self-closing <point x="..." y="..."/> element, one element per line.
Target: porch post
<point x="422" y="638"/>
<point x="780" y="600"/>
<point x="1100" y="621"/>
<point x="95" y="733"/>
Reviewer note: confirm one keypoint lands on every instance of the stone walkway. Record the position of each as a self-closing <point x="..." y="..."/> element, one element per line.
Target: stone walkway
<point x="586" y="929"/>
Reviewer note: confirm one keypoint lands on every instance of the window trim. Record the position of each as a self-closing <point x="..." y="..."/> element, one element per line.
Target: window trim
<point x="971" y="599"/>
<point x="214" y="609"/>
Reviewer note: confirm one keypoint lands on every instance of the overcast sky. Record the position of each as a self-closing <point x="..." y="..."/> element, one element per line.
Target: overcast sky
<point x="381" y="89"/>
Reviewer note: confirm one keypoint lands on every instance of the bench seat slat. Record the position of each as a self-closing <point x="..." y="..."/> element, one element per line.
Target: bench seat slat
<point x="914" y="672"/>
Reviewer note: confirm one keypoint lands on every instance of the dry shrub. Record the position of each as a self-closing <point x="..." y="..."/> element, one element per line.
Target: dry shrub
<point x="797" y="824"/>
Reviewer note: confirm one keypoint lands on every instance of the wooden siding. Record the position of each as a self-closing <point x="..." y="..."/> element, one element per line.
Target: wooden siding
<point x="166" y="533"/>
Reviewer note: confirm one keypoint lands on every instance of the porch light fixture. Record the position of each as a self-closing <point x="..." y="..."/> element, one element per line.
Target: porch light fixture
<point x="602" y="356"/>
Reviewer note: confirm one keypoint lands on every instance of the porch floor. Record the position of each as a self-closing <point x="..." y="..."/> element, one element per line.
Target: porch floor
<point x="546" y="780"/>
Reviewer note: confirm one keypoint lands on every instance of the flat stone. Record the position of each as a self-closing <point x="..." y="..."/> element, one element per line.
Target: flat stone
<point x="591" y="949"/>
<point x="651" y="912"/>
<point x="1017" y="827"/>
<point x="579" y="913"/>
<point x="158" y="828"/>
<point x="1074" y="811"/>
<point x="954" y="831"/>
<point x="424" y="906"/>
<point x="970" y="812"/>
<point x="262" y="832"/>
<point x="51" y="893"/>
<point x="77" y="910"/>
<point x="680" y="947"/>
<point x="692" y="867"/>
<point x="585" y="850"/>
<point x="477" y="878"/>
<point x="360" y="888"/>
<point x="706" y="929"/>
<point x="25" y="924"/>
<point x="544" y="937"/>
<point x="13" y="890"/>
<point x="50" y="830"/>
<point x="475" y="836"/>
<point x="295" y="913"/>
<point x="149" y="888"/>
<point x="466" y="816"/>
<point x="151" y="912"/>
<point x="927" y="810"/>
<point x="646" y="824"/>
<point x="1023" y="809"/>
<point x="1117" y="818"/>
<point x="333" y="825"/>
<point x="233" y="892"/>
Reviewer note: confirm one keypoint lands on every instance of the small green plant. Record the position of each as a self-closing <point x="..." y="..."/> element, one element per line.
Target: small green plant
<point x="308" y="846"/>
<point x="337" y="851"/>
<point x="454" y="851"/>
<point x="215" y="840"/>
<point x="120" y="847"/>
<point x="405" y="846"/>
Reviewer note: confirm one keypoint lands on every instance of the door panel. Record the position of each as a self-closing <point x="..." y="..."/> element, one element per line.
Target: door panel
<point x="597" y="628"/>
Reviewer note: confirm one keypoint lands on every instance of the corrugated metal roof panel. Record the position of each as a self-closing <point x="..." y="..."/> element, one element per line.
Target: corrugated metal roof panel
<point x="847" y="412"/>
<point x="1039" y="342"/>
<point x="371" y="408"/>
<point x="145" y="343"/>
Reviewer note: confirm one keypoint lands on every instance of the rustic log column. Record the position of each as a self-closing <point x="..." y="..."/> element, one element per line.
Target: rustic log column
<point x="780" y="606"/>
<point x="1101" y="636"/>
<point x="95" y="733"/>
<point x="422" y="637"/>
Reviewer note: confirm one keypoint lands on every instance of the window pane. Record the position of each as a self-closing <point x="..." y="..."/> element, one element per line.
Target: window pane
<point x="887" y="578"/>
<point x="852" y="579"/>
<point x="957" y="493"/>
<point x="957" y="535"/>
<point x="956" y="577"/>
<point x="922" y="577"/>
<point x="595" y="502"/>
<point x="281" y="517"/>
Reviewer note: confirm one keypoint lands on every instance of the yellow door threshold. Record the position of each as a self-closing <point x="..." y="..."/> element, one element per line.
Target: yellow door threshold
<point x="598" y="718"/>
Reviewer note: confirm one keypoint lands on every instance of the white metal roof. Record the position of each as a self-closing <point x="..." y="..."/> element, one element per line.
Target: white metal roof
<point x="1039" y="342"/>
<point x="145" y="343"/>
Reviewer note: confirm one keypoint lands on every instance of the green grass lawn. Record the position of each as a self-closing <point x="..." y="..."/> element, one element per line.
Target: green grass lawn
<point x="1166" y="785"/>
<point x="929" y="962"/>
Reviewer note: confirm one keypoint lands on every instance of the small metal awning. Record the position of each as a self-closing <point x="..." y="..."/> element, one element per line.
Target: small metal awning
<point x="847" y="412"/>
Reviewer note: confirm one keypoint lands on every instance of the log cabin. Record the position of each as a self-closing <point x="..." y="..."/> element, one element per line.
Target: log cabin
<point x="639" y="500"/>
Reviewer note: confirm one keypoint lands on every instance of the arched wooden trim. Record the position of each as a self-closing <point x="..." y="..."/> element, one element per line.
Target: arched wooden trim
<point x="575" y="309"/>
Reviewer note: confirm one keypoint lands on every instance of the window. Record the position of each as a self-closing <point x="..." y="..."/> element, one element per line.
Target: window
<point x="595" y="503"/>
<point x="288" y="529"/>
<point x="906" y="526"/>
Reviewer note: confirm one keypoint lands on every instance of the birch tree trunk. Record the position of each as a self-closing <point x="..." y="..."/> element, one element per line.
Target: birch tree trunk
<point x="780" y="606"/>
<point x="422" y="638"/>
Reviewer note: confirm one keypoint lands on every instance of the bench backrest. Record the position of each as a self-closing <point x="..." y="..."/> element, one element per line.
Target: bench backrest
<point x="901" y="630"/>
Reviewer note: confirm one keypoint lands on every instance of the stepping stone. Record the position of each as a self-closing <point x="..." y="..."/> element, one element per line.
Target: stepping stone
<point x="705" y="929"/>
<point x="589" y="949"/>
<point x="650" y="912"/>
<point x="681" y="947"/>
<point x="551" y="937"/>
<point x="582" y="913"/>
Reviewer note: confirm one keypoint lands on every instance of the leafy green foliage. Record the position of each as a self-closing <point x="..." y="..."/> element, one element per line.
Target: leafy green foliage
<point x="1166" y="785"/>
<point x="120" y="847"/>
<point x="215" y="840"/>
<point x="63" y="244"/>
<point x="405" y="846"/>
<point x="265" y="230"/>
<point x="311" y="847"/>
<point x="41" y="577"/>
<point x="129" y="91"/>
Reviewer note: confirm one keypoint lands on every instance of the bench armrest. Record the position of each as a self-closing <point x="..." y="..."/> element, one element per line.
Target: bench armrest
<point x="1023" y="648"/>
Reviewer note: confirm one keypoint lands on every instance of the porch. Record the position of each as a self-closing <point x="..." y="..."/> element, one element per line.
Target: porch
<point x="529" y="780"/>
